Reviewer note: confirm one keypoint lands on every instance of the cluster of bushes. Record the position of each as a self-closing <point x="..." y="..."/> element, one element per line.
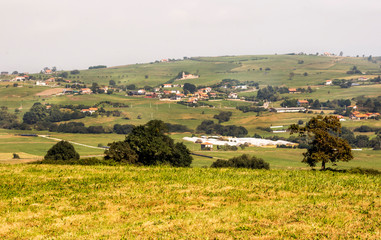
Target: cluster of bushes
<point x="198" y="104"/>
<point x="243" y="161"/>
<point x="365" y="128"/>
<point x="209" y="127"/>
<point x="113" y="104"/>
<point x="97" y="67"/>
<point x="177" y="128"/>
<point x="123" y="129"/>
<point x="271" y="93"/>
<point x="227" y="147"/>
<point x="354" y="70"/>
<point x="360" y="141"/>
<point x="39" y="113"/>
<point x="223" y="116"/>
<point x="343" y="83"/>
<point x="246" y="109"/>
<point x="230" y="83"/>
<point x="266" y="129"/>
<point x="369" y="104"/>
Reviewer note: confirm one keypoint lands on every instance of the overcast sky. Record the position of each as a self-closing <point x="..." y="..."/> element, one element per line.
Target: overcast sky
<point x="75" y="34"/>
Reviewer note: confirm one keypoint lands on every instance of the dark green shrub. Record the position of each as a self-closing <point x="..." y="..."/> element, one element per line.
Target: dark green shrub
<point x="243" y="161"/>
<point x="63" y="150"/>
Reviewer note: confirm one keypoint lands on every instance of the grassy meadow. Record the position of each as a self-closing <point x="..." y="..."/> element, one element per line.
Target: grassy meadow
<point x="79" y="202"/>
<point x="244" y="68"/>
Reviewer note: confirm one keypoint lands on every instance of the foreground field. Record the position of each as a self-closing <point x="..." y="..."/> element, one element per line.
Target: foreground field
<point x="76" y="202"/>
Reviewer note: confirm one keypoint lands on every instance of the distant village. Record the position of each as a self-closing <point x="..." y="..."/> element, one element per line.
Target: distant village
<point x="175" y="91"/>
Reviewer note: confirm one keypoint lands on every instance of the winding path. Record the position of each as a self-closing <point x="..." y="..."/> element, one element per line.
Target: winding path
<point x="80" y="144"/>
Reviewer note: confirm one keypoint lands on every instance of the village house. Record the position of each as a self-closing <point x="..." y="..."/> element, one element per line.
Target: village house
<point x="48" y="71"/>
<point x="40" y="83"/>
<point x="51" y="80"/>
<point x="292" y="90"/>
<point x="90" y="110"/>
<point x="188" y="76"/>
<point x="167" y="85"/>
<point x="328" y="82"/>
<point x="302" y="103"/>
<point x="205" y="90"/>
<point x="67" y="91"/>
<point x="243" y="87"/>
<point x="206" y="146"/>
<point x="359" y="116"/>
<point x="202" y="95"/>
<point x="18" y="79"/>
<point x="86" y="91"/>
<point x="141" y="92"/>
<point x="363" y="79"/>
<point x="233" y="95"/>
<point x="192" y="100"/>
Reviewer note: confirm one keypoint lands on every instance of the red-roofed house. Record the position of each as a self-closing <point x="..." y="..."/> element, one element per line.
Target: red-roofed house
<point x="302" y="103"/>
<point x="292" y="90"/>
<point x="206" y="146"/>
<point x="86" y="91"/>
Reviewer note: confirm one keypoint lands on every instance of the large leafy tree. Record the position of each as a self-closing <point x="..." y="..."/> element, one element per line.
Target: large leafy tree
<point x="63" y="150"/>
<point x="149" y="145"/>
<point x="121" y="152"/>
<point x="326" y="145"/>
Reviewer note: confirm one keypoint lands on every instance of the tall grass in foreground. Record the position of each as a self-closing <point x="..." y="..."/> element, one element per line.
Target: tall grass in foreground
<point x="103" y="202"/>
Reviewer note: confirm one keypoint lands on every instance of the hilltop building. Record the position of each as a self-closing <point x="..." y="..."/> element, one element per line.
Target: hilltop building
<point x="188" y="76"/>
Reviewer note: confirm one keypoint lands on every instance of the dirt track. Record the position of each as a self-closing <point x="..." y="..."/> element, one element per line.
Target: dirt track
<point x="50" y="91"/>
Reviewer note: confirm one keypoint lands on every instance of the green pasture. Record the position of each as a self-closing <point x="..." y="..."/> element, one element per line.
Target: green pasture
<point x="324" y="93"/>
<point x="244" y="68"/>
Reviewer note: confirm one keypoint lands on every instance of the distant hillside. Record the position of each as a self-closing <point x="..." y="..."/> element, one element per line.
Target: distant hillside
<point x="290" y="70"/>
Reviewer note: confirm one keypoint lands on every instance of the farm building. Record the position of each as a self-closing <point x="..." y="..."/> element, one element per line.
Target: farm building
<point x="206" y="146"/>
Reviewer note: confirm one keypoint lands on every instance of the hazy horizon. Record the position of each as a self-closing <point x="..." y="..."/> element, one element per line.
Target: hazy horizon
<point x="78" y="34"/>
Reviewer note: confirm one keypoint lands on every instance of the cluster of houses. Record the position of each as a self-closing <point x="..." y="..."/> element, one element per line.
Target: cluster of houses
<point x="169" y="92"/>
<point x="356" y="115"/>
<point x="21" y="78"/>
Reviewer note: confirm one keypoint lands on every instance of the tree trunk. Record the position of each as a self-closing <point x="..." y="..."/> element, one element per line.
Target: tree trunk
<point x="322" y="165"/>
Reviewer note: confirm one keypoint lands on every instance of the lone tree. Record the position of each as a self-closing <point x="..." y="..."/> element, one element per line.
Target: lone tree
<point x="149" y="145"/>
<point x="63" y="150"/>
<point x="326" y="145"/>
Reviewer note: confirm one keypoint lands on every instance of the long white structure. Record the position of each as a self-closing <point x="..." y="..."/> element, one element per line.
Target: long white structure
<point x="237" y="141"/>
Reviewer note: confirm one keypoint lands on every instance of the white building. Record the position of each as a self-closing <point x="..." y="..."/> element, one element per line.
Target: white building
<point x="40" y="83"/>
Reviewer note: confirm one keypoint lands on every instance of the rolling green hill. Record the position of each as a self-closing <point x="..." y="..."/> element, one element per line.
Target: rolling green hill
<point x="211" y="70"/>
<point x="243" y="68"/>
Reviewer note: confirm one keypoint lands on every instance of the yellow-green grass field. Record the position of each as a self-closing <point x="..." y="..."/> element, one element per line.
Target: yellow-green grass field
<point x="97" y="202"/>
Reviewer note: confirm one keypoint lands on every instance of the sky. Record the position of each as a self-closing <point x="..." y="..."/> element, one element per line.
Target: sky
<point x="76" y="34"/>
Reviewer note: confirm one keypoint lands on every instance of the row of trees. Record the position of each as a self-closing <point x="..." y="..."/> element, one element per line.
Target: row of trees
<point x="209" y="127"/>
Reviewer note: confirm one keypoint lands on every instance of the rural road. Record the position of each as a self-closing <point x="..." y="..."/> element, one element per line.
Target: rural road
<point x="80" y="144"/>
